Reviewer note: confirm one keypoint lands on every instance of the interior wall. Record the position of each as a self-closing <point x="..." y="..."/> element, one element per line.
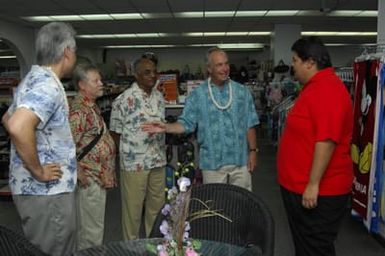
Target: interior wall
<point x="177" y="58"/>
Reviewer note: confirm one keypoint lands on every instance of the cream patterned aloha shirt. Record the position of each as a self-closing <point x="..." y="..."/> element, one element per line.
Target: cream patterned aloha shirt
<point x="139" y="150"/>
<point x="86" y="123"/>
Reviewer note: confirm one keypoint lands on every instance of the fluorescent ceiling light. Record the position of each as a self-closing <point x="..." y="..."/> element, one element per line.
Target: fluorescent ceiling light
<point x="344" y="13"/>
<point x="240" y="46"/>
<point x="332" y="44"/>
<point x="368" y="14"/>
<point x="236" y="33"/>
<point x="229" y="34"/>
<point x="96" y="17"/>
<point x="157" y="15"/>
<point x="126" y="16"/>
<point x="139" y="46"/>
<point x="8" y="57"/>
<point x="250" y="13"/>
<point x="337" y="33"/>
<point x="201" y="14"/>
<point x="259" y="33"/>
<point x="214" y="33"/>
<point x="279" y="13"/>
<point x="353" y="13"/>
<point x="193" y="34"/>
<point x="223" y="46"/>
<point x="67" y="17"/>
<point x="211" y="14"/>
<point x="188" y="14"/>
<point x="147" y="35"/>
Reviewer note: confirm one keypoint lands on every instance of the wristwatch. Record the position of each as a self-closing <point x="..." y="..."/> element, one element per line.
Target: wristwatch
<point x="254" y="149"/>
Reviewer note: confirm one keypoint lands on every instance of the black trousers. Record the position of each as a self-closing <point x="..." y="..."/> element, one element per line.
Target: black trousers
<point x="314" y="230"/>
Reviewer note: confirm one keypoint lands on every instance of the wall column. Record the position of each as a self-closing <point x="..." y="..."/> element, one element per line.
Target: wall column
<point x="283" y="37"/>
<point x="381" y="23"/>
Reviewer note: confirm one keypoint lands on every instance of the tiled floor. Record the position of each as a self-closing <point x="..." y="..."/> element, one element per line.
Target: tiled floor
<point x="353" y="239"/>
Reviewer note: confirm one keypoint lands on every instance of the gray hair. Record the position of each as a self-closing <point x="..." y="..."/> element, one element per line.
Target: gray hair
<point x="51" y="41"/>
<point x="210" y="51"/>
<point x="81" y="73"/>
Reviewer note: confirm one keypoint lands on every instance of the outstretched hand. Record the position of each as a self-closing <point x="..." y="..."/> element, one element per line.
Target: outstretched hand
<point x="154" y="127"/>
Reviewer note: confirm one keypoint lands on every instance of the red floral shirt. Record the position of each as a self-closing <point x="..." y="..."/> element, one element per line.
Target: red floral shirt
<point x="86" y="123"/>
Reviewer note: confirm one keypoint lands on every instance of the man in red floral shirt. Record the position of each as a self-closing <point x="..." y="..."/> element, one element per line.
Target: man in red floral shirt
<point x="96" y="170"/>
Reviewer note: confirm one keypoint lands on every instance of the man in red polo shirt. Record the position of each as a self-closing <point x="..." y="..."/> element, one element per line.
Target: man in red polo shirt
<point x="315" y="169"/>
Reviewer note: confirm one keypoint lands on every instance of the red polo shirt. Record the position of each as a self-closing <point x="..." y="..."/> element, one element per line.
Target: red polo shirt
<point x="322" y="111"/>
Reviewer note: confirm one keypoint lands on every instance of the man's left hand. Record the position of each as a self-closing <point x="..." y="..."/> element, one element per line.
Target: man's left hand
<point x="310" y="196"/>
<point x="253" y="161"/>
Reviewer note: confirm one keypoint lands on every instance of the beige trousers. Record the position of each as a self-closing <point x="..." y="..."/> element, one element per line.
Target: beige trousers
<point x="91" y="205"/>
<point x="232" y="174"/>
<point x="146" y="188"/>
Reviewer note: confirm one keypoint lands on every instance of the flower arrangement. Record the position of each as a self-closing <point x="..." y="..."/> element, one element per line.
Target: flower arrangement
<point x="176" y="226"/>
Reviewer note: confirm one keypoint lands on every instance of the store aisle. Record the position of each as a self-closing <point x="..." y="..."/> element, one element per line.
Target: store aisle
<point x="353" y="239"/>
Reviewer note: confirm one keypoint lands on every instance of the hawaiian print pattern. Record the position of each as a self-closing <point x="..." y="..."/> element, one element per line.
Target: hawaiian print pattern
<point x="222" y="134"/>
<point x="86" y="123"/>
<point x="40" y="93"/>
<point x="138" y="149"/>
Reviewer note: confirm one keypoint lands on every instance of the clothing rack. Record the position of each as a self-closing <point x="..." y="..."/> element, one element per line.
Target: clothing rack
<point x="371" y="53"/>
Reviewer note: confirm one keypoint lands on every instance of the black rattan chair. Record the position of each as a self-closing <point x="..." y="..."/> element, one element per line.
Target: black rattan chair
<point x="251" y="223"/>
<point x="15" y="244"/>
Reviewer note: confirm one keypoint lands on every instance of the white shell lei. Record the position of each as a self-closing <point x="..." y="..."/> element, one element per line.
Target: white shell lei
<point x="228" y="104"/>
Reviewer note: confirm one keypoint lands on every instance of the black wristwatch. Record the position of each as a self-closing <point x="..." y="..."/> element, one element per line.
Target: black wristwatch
<point x="254" y="149"/>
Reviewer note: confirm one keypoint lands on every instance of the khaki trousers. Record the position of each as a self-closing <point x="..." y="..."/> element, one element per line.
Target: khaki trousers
<point x="140" y="188"/>
<point x="231" y="174"/>
<point x="91" y="205"/>
<point x="49" y="221"/>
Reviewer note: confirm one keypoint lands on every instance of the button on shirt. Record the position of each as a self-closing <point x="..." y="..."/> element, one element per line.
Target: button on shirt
<point x="139" y="150"/>
<point x="222" y="134"/>
<point x="41" y="93"/>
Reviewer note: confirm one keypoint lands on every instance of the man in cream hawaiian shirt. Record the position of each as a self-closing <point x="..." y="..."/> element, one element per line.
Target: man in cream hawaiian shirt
<point x="142" y="156"/>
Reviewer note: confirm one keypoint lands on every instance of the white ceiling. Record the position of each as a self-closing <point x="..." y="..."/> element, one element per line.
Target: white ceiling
<point x="13" y="11"/>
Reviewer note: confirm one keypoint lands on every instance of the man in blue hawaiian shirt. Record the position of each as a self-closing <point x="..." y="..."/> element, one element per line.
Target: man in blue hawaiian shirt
<point x="43" y="161"/>
<point x="222" y="112"/>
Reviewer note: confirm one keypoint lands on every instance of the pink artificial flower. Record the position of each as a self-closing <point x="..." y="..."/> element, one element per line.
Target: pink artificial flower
<point x="190" y="252"/>
<point x="162" y="253"/>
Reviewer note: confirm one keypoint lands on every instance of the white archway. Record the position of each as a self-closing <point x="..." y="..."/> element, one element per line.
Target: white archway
<point x="22" y="43"/>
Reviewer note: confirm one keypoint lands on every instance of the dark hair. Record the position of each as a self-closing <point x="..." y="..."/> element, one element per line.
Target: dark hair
<point x="150" y="56"/>
<point x="312" y="48"/>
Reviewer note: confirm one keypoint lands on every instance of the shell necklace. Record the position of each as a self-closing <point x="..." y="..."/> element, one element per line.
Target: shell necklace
<point x="228" y="104"/>
<point x="59" y="83"/>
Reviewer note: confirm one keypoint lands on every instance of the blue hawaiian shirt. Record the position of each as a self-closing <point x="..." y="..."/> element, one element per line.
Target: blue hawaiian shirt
<point x="40" y="93"/>
<point x="221" y="134"/>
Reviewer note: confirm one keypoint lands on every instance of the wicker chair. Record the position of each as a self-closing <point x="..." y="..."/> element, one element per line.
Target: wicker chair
<point x="251" y="223"/>
<point x="15" y="244"/>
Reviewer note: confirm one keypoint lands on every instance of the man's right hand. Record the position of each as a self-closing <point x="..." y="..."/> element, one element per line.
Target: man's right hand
<point x="83" y="174"/>
<point x="48" y="172"/>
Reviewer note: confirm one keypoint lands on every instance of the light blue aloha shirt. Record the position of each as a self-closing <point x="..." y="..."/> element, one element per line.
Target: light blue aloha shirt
<point x="138" y="150"/>
<point x="40" y="93"/>
<point x="221" y="134"/>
